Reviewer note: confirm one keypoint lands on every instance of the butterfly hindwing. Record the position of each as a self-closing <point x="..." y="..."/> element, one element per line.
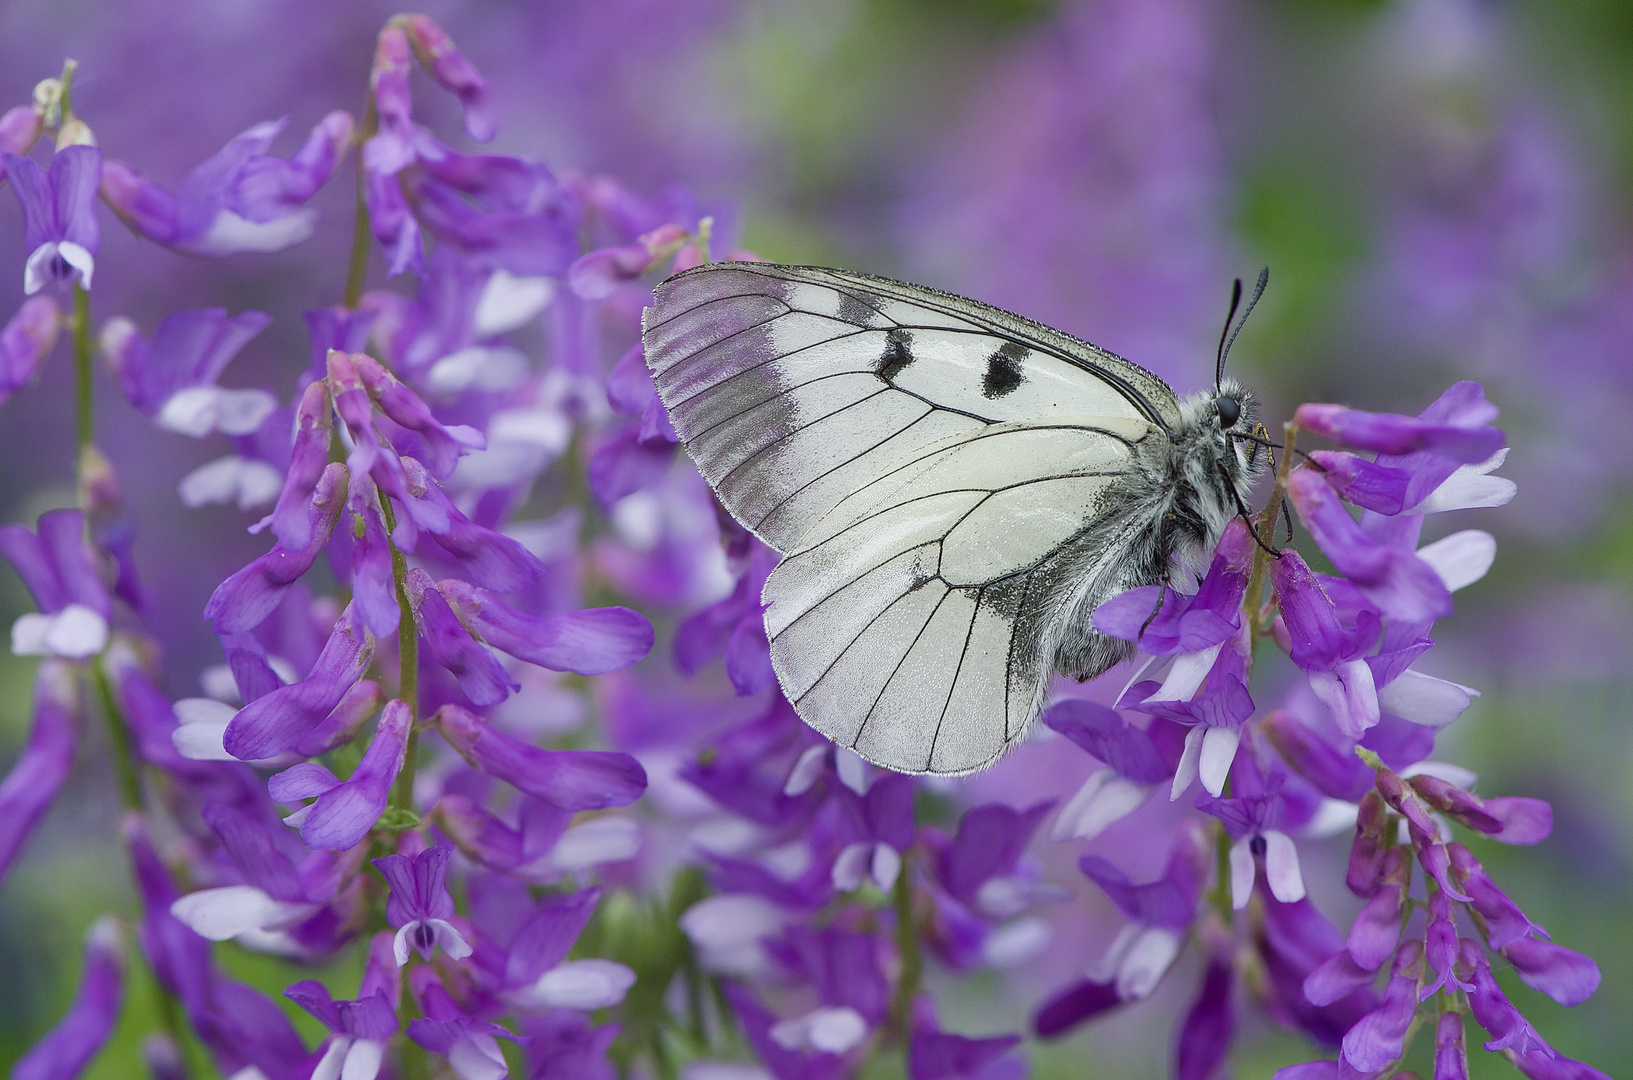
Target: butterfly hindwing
<point x="938" y="475"/>
<point x="920" y="627"/>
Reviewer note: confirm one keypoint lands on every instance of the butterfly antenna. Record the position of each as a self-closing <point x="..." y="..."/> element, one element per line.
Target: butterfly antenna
<point x="1229" y="339"/>
<point x="1224" y="334"/>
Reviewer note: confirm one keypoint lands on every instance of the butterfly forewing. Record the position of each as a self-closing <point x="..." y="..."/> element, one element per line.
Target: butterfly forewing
<point x="933" y="470"/>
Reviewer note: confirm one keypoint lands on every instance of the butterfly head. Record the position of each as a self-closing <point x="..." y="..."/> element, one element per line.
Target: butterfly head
<point x="1236" y="411"/>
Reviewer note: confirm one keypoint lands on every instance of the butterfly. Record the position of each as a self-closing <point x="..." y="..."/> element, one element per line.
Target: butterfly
<point x="954" y="489"/>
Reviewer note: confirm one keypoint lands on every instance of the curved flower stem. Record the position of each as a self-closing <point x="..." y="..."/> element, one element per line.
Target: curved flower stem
<point x="84" y="354"/>
<point x="912" y="956"/>
<point x="1252" y="602"/>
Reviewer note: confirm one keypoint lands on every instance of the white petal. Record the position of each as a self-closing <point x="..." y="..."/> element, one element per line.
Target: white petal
<point x="853" y="771"/>
<point x="1014" y="943"/>
<point x="452" y="942"/>
<point x="1242" y="872"/>
<point x="241" y="412"/>
<point x="722" y="1070"/>
<point x="258" y="485"/>
<point x="28" y="635"/>
<point x="543" y="427"/>
<point x="193" y="710"/>
<point x="1470" y="486"/>
<point x="836" y="1030"/>
<point x="1461" y="558"/>
<point x="851" y="866"/>
<point x="1002" y="896"/>
<point x="803" y="776"/>
<point x="887" y="863"/>
<point x="580" y="984"/>
<point x="363" y="1060"/>
<point x="218" y="914"/>
<point x="1350" y="693"/>
<point x="217" y="681"/>
<point x="1103" y="799"/>
<point x="1186" y="772"/>
<point x="399" y="943"/>
<point x="1281" y="868"/>
<point x="298" y="818"/>
<point x="597" y="841"/>
<point x="192" y="410"/>
<point x="333" y="1058"/>
<point x="1333" y="817"/>
<point x="214" y="482"/>
<point x="477" y="1057"/>
<point x="230" y="233"/>
<point x="727" y="931"/>
<point x="37" y="270"/>
<point x="832" y="1030"/>
<point x="1148" y="959"/>
<point x="508" y="301"/>
<point x="79" y="259"/>
<point x="201" y="742"/>
<point x="479" y="368"/>
<point x="1424" y="699"/>
<point x="76" y="632"/>
<point x="1218" y="751"/>
<point x="1115" y="953"/>
<point x="1186" y="676"/>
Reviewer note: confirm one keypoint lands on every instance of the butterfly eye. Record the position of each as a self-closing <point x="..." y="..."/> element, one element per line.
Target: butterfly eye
<point x="1230" y="411"/>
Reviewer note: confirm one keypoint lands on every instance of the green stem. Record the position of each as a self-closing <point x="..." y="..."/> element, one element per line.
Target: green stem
<point x="357" y="267"/>
<point x="130" y="785"/>
<point x="84" y="355"/>
<point x="912" y="958"/>
<point x="1252" y="603"/>
<point x="1223" y="902"/>
<point x="408" y="663"/>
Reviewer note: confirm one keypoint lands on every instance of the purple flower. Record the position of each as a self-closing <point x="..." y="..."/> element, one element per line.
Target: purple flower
<point x="245" y="599"/>
<point x="25" y="341"/>
<point x="345" y="811"/>
<point x="279" y="721"/>
<point x="1185" y="624"/>
<point x="1501" y="919"/>
<point x="1205" y="1032"/>
<point x="590" y="642"/>
<point x="173" y="377"/>
<point x="59" y="215"/>
<point x="468" y="1043"/>
<point x="419" y="905"/>
<point x="1456" y="426"/>
<point x="536" y="972"/>
<point x="481" y="676"/>
<point x="939" y="1055"/>
<point x="1377" y="1039"/>
<point x="56" y="566"/>
<point x="39" y="772"/>
<point x="69" y="1047"/>
<point x="453" y="72"/>
<point x="1398" y="582"/>
<point x="1214" y="717"/>
<point x="240" y="199"/>
<point x="1252" y="822"/>
<point x="358" y="1030"/>
<point x="1135" y="768"/>
<point x="570" y="779"/>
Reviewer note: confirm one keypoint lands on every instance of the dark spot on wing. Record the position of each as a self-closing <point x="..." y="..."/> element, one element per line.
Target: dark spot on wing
<point x="1004" y="370"/>
<point x="854" y="309"/>
<point x="897" y="355"/>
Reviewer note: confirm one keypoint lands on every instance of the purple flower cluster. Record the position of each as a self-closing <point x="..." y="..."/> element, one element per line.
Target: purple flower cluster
<point x="421" y="759"/>
<point x="1352" y="744"/>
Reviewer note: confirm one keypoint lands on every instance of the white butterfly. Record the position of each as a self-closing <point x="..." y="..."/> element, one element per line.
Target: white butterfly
<point x="954" y="489"/>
